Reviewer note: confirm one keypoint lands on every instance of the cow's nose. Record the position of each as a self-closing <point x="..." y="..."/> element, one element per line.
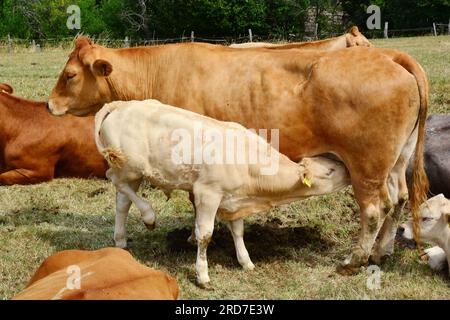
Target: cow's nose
<point x="400" y="231"/>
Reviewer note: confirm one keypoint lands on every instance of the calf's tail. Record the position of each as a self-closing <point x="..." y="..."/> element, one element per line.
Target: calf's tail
<point x="114" y="156"/>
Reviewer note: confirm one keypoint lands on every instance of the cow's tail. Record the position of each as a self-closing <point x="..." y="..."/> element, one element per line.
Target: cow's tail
<point x="114" y="156"/>
<point x="420" y="184"/>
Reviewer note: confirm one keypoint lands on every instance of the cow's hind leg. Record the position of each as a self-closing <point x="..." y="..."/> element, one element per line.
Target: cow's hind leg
<point x="123" y="204"/>
<point x="206" y="203"/>
<point x="237" y="231"/>
<point x="125" y="187"/>
<point x="398" y="191"/>
<point x="374" y="202"/>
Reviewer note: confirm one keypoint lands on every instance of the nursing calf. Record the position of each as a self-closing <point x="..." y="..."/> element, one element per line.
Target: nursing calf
<point x="178" y="149"/>
<point x="36" y="147"/>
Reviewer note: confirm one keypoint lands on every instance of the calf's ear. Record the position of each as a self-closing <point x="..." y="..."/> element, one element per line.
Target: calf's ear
<point x="101" y="68"/>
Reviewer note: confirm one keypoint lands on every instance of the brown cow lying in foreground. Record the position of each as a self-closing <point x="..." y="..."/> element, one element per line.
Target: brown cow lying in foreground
<point x="36" y="147"/>
<point x="353" y="38"/>
<point x="106" y="274"/>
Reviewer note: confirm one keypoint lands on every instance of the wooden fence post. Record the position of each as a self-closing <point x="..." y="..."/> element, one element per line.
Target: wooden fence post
<point x="33" y="46"/>
<point x="316" y="31"/>
<point x="126" y="43"/>
<point x="250" y="35"/>
<point x="434" y="29"/>
<point x="9" y="45"/>
<point x="449" y="26"/>
<point x="192" y="36"/>
<point x="386" y="30"/>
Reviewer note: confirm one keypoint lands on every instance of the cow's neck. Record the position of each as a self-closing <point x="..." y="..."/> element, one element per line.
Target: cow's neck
<point x="134" y="75"/>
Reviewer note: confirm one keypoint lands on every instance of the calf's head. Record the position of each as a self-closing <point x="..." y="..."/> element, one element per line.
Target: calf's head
<point x="323" y="176"/>
<point x="82" y="86"/>
<point x="434" y="221"/>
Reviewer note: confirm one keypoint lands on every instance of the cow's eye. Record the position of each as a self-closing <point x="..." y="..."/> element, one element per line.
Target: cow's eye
<point x="70" y="75"/>
<point x="425" y="219"/>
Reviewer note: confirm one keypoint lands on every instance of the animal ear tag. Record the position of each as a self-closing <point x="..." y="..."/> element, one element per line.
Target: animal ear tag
<point x="307" y="182"/>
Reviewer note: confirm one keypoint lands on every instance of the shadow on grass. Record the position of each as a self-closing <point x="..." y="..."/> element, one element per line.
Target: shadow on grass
<point x="167" y="247"/>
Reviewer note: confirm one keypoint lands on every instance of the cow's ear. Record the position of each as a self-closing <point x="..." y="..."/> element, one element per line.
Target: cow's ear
<point x="354" y="31"/>
<point x="102" y="68"/>
<point x="82" y="41"/>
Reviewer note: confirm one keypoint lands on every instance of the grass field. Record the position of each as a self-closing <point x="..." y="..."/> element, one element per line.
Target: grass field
<point x="295" y="247"/>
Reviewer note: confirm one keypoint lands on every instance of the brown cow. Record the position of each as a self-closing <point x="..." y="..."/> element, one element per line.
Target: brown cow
<point x="106" y="274"/>
<point x="368" y="106"/>
<point x="353" y="38"/>
<point x="36" y="147"/>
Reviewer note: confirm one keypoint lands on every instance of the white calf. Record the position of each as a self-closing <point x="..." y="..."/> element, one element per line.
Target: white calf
<point x="434" y="229"/>
<point x="147" y="139"/>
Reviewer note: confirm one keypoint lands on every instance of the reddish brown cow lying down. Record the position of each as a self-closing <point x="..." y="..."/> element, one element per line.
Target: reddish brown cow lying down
<point x="107" y="274"/>
<point x="36" y="147"/>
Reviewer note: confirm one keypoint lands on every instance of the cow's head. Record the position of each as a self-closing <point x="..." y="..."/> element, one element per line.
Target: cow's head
<point x="434" y="221"/>
<point x="6" y="88"/>
<point x="356" y="39"/>
<point x="82" y="86"/>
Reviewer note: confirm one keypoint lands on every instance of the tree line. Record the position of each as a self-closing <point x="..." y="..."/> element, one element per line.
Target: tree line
<point x="146" y="19"/>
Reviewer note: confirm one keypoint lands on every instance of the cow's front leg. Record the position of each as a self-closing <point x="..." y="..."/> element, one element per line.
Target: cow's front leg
<point x="237" y="231"/>
<point x="374" y="206"/>
<point x="206" y="203"/>
<point x="26" y="176"/>
<point x="123" y="204"/>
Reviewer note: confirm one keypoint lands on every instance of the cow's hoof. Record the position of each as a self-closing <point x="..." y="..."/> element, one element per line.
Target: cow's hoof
<point x="379" y="260"/>
<point x="151" y="226"/>
<point x="347" y="270"/>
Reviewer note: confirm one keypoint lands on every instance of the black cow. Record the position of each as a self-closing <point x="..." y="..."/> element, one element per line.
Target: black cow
<point x="437" y="154"/>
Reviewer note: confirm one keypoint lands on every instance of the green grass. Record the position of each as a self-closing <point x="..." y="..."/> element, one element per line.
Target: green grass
<point x="295" y="247"/>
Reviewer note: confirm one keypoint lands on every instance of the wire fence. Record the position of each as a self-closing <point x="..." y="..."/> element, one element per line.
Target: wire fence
<point x="11" y="45"/>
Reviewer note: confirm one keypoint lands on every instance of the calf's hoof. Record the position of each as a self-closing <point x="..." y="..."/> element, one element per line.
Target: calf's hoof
<point x="248" y="266"/>
<point x="150" y="226"/>
<point x="122" y="244"/>
<point x="192" y="240"/>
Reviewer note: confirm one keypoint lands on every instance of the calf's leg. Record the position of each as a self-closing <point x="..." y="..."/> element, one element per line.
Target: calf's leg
<point x="125" y="187"/>
<point x="123" y="204"/>
<point x="206" y="202"/>
<point x="237" y="231"/>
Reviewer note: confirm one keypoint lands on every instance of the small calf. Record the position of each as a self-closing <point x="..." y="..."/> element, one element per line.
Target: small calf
<point x="434" y="229"/>
<point x="147" y="139"/>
